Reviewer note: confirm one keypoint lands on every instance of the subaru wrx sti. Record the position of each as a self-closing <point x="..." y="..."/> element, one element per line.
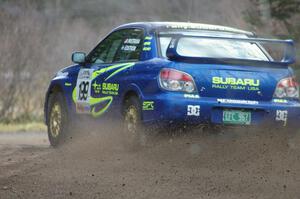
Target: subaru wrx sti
<point x="176" y="73"/>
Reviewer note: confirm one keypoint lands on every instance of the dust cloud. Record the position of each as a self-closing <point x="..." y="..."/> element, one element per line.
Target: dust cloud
<point x="234" y="163"/>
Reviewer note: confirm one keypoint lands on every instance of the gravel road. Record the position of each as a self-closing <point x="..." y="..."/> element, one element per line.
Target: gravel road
<point x="237" y="163"/>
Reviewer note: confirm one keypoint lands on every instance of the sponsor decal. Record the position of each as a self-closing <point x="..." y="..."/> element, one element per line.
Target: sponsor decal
<point x="147" y="43"/>
<point x="148" y="38"/>
<point x="235" y="83"/>
<point x="191" y="96"/>
<point x="199" y="27"/>
<point x="106" y="88"/>
<point x="282" y="115"/>
<point x="110" y="88"/>
<point x="132" y="41"/>
<point x="96" y="87"/>
<point x="234" y="101"/>
<point x="84" y="74"/>
<point x="68" y="84"/>
<point x="147" y="49"/>
<point x="193" y="110"/>
<point x="283" y="101"/>
<point x="148" y="105"/>
<point x="128" y="48"/>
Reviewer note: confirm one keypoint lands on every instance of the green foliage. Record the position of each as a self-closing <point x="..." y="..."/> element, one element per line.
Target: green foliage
<point x="283" y="9"/>
<point x="285" y="12"/>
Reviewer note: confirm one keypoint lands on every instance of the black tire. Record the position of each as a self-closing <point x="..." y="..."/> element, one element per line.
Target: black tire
<point x="133" y="128"/>
<point x="57" y="119"/>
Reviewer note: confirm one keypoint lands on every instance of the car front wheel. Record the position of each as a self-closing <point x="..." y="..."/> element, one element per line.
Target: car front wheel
<point x="57" y="119"/>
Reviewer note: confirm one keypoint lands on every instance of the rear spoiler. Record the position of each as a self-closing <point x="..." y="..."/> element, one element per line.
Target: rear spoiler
<point x="289" y="56"/>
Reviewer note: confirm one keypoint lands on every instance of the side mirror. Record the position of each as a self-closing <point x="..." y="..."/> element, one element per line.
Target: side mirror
<point x="78" y="57"/>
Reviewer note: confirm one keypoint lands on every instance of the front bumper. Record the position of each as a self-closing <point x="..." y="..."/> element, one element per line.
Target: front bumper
<point x="170" y="107"/>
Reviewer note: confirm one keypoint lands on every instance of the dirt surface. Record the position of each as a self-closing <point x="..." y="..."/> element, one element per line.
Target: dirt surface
<point x="232" y="164"/>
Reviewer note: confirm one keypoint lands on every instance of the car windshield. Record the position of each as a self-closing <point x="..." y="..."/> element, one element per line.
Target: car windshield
<point x="214" y="48"/>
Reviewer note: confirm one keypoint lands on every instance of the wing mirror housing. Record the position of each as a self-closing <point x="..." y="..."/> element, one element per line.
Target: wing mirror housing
<point x="78" y="57"/>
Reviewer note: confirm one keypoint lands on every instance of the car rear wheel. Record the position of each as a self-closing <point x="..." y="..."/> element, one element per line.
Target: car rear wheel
<point x="133" y="129"/>
<point x="57" y="117"/>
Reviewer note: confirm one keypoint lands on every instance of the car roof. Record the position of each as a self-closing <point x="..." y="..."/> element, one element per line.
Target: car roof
<point x="153" y="26"/>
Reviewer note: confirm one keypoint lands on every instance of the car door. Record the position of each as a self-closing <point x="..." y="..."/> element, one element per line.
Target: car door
<point x="114" y="56"/>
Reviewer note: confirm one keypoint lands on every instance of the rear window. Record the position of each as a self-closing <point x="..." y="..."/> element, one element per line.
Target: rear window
<point x="212" y="48"/>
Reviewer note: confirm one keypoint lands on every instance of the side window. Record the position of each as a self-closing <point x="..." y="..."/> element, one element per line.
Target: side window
<point x="106" y="50"/>
<point x="123" y="45"/>
<point x="131" y="46"/>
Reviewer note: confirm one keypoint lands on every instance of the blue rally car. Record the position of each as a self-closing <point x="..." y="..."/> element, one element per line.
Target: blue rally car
<point x="176" y="73"/>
